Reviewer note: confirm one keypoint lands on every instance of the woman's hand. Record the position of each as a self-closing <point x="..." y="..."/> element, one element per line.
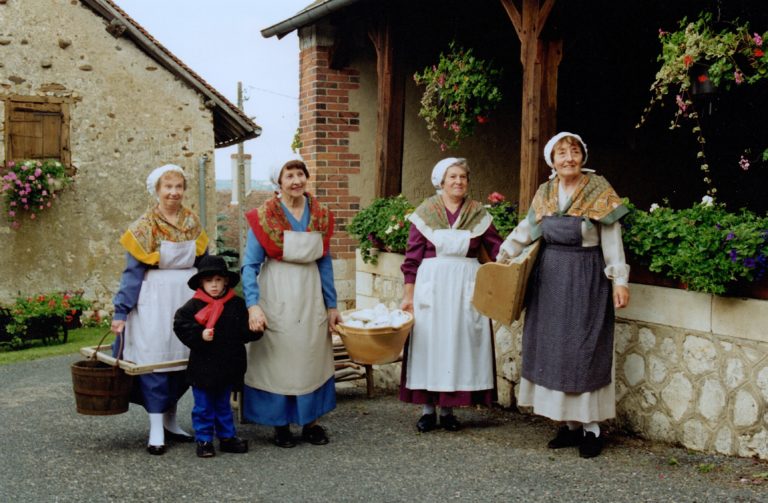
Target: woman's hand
<point x="407" y="302"/>
<point x="257" y="322"/>
<point x="117" y="326"/>
<point x="620" y="296"/>
<point x="334" y="318"/>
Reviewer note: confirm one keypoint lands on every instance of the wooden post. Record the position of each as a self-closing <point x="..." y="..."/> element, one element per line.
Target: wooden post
<point x="391" y="108"/>
<point x="539" y="108"/>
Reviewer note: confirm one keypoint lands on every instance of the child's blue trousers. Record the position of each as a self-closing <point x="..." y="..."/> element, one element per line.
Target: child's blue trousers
<point x="212" y="415"/>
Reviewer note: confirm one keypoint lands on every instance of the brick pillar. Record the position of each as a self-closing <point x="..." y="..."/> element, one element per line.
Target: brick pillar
<point x="326" y="123"/>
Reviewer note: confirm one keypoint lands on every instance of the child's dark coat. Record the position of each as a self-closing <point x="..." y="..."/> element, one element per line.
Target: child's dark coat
<point x="222" y="361"/>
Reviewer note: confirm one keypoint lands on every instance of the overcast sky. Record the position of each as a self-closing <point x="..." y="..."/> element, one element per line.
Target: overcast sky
<point x="221" y="42"/>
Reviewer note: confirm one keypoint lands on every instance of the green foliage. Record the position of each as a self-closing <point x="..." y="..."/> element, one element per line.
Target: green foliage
<point x="296" y="143"/>
<point x="60" y="305"/>
<point x="706" y="247"/>
<point x="732" y="55"/>
<point x="382" y="226"/>
<point x="504" y="214"/>
<point x="459" y="93"/>
<point x="30" y="186"/>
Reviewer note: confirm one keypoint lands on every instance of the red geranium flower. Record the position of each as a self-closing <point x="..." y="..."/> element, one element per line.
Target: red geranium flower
<point x="759" y="53"/>
<point x="687" y="60"/>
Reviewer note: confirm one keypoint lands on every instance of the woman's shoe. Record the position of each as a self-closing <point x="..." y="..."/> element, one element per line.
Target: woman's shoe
<point x="283" y="437"/>
<point x="450" y="423"/>
<point x="567" y="438"/>
<point x="427" y="422"/>
<point x="591" y="446"/>
<point x="178" y="437"/>
<point x="156" y="450"/>
<point x="314" y="434"/>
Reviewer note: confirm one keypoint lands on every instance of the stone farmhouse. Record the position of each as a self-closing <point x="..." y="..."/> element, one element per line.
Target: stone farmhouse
<point x="82" y="82"/>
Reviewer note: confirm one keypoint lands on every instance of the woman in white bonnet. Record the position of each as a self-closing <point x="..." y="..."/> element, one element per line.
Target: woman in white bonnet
<point x="162" y="247"/>
<point x="288" y="286"/>
<point x="449" y="358"/>
<point x="580" y="278"/>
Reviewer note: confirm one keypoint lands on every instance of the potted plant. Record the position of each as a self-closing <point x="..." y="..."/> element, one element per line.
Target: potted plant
<point x="705" y="247"/>
<point x="382" y="226"/>
<point x="45" y="316"/>
<point x="460" y="91"/>
<point x="30" y="187"/>
<point x="697" y="58"/>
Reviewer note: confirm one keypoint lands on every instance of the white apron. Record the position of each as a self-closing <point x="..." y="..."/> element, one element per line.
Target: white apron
<point x="295" y="356"/>
<point x="149" y="336"/>
<point x="450" y="346"/>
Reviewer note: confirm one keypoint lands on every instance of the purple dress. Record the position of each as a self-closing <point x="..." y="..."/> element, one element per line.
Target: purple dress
<point x="420" y="248"/>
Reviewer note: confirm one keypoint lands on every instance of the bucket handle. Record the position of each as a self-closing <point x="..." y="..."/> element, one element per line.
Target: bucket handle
<point x="119" y="351"/>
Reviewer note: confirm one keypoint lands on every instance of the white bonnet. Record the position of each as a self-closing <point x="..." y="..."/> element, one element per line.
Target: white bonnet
<point x="438" y="172"/>
<point x="553" y="141"/>
<point x="277" y="168"/>
<point x="156" y="173"/>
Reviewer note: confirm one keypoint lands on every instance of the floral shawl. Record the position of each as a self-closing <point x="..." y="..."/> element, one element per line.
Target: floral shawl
<point x="143" y="237"/>
<point x="268" y="223"/>
<point x="593" y="199"/>
<point x="431" y="216"/>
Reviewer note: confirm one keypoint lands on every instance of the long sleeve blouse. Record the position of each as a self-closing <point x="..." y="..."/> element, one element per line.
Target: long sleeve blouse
<point x="592" y="234"/>
<point x="420" y="248"/>
<point x="255" y="255"/>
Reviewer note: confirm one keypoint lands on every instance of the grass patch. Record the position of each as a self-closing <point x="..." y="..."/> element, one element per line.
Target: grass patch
<point x="76" y="339"/>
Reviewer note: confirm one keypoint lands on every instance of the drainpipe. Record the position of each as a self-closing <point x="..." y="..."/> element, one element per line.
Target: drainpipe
<point x="201" y="161"/>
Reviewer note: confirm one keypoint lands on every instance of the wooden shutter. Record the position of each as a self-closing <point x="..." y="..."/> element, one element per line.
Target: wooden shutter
<point x="35" y="131"/>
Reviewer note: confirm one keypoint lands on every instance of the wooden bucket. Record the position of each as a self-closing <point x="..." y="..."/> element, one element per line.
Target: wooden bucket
<point x="100" y="389"/>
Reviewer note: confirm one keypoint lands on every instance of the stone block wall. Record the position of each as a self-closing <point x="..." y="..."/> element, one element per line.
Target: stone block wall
<point x="690" y="368"/>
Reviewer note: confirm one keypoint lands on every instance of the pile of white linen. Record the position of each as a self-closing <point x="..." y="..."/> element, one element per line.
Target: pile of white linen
<point x="377" y="316"/>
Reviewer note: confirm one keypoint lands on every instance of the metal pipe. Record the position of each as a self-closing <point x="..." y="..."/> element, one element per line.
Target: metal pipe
<point x="202" y="210"/>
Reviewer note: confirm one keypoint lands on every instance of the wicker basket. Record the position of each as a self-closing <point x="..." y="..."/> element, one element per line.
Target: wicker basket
<point x="374" y="346"/>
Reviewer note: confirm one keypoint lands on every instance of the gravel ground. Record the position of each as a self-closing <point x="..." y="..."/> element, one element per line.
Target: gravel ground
<point x="51" y="453"/>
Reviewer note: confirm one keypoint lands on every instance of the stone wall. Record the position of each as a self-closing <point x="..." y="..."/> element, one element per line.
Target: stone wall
<point x="128" y="116"/>
<point x="690" y="368"/>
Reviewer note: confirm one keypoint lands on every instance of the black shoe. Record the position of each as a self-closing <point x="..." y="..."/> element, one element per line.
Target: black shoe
<point x="205" y="449"/>
<point x="178" y="437"/>
<point x="235" y="445"/>
<point x="156" y="450"/>
<point x="283" y="437"/>
<point x="427" y="422"/>
<point x="315" y="435"/>
<point x="567" y="438"/>
<point x="450" y="423"/>
<point x="591" y="446"/>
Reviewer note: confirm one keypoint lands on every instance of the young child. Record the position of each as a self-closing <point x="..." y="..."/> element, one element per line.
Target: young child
<point x="214" y="325"/>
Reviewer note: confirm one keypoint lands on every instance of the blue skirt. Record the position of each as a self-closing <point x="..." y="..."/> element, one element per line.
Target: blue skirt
<point x="159" y="391"/>
<point x="271" y="409"/>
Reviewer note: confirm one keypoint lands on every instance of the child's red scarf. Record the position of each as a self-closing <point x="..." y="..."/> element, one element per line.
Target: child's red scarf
<point x="209" y="315"/>
<point x="268" y="223"/>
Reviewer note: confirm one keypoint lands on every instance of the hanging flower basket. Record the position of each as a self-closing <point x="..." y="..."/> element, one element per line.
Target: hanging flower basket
<point x="460" y="92"/>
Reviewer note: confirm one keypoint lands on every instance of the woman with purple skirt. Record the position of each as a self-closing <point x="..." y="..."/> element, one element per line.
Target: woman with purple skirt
<point x="449" y="357"/>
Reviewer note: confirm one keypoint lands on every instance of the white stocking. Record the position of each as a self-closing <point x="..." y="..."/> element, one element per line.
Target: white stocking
<point x="169" y="422"/>
<point x="593" y="427"/>
<point x="156" y="434"/>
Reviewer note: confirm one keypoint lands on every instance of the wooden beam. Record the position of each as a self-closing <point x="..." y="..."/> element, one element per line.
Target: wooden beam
<point x="391" y="108"/>
<point x="539" y="104"/>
